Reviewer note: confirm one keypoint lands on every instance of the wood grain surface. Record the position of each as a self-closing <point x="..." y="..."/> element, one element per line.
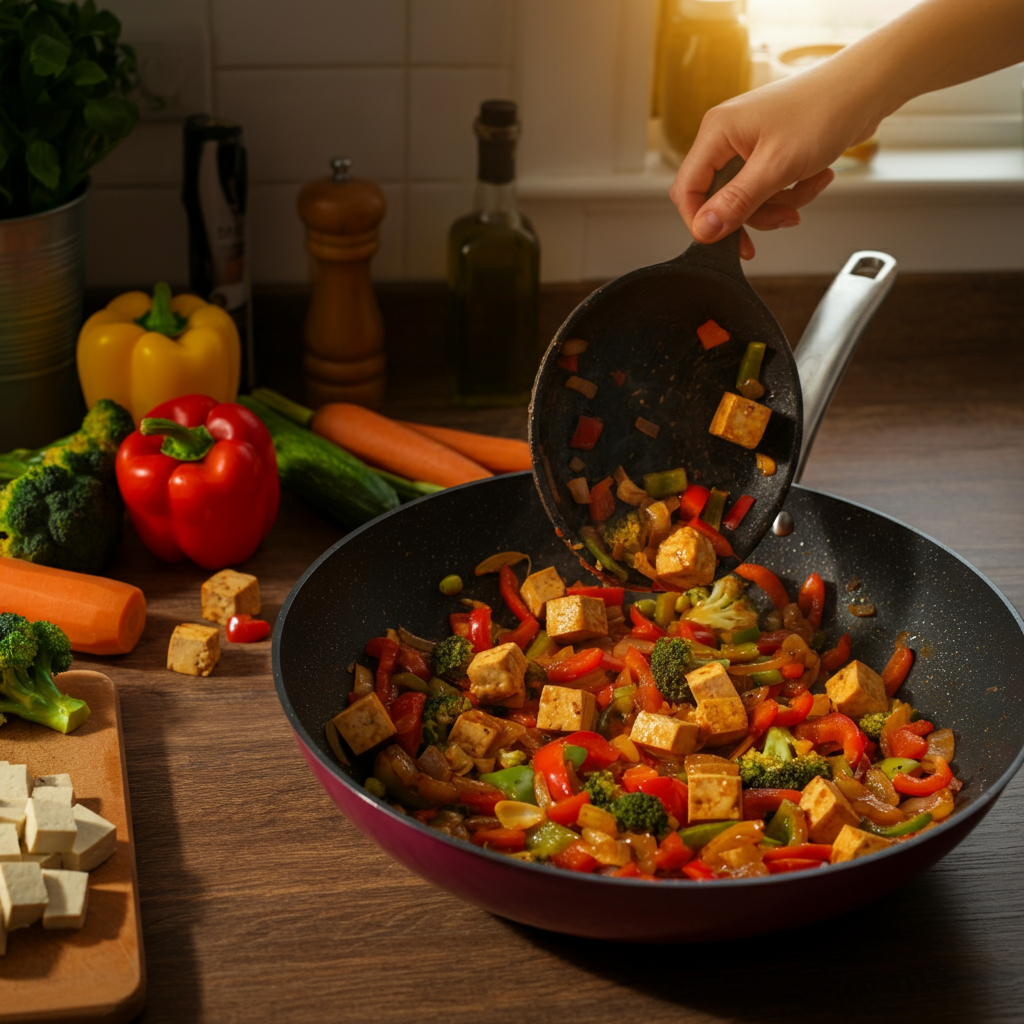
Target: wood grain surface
<point x="260" y="902"/>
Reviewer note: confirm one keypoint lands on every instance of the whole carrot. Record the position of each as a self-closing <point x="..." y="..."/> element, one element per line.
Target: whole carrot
<point x="498" y="454"/>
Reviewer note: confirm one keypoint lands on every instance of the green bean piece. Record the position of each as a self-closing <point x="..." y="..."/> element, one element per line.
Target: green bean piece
<point x="451" y="585"/>
<point x="903" y="828"/>
<point x="714" y="507"/>
<point x="665" y="609"/>
<point x="604" y="558"/>
<point x="746" y="636"/>
<point x="666" y="483"/>
<point x="375" y="787"/>
<point x="750" y="364"/>
<point x="647" y="607"/>
<point x="437" y="685"/>
<point x="408" y="681"/>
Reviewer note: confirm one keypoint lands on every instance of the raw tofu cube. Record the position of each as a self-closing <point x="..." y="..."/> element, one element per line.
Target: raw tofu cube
<point x="852" y="843"/>
<point x="740" y="420"/>
<point x="722" y="720"/>
<point x="194" y="649"/>
<point x="857" y="690"/>
<point x="44" y="860"/>
<point x="827" y="810"/>
<point x="663" y="734"/>
<point x="577" y="617"/>
<point x="95" y="842"/>
<point x="54" y="794"/>
<point x="230" y="593"/>
<point x="61" y="781"/>
<point x="15" y="782"/>
<point x="685" y="559"/>
<point x="10" y="848"/>
<point x="714" y="798"/>
<point x="540" y="587"/>
<point x="12" y="812"/>
<point x="22" y="895"/>
<point x="478" y="733"/>
<point x="68" y="896"/>
<point x="49" y="827"/>
<point x="709" y="682"/>
<point x="365" y="724"/>
<point x="564" y="709"/>
<point x="497" y="676"/>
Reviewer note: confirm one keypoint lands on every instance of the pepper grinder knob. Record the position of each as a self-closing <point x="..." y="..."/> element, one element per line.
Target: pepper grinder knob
<point x="344" y="333"/>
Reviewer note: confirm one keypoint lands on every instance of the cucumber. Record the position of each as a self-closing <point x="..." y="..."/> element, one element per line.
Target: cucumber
<point x="335" y="483"/>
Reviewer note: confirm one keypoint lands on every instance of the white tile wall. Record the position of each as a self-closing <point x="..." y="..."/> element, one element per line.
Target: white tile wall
<point x="458" y="33"/>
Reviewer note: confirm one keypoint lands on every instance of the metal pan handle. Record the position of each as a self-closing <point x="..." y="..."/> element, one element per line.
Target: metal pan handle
<point x="832" y="335"/>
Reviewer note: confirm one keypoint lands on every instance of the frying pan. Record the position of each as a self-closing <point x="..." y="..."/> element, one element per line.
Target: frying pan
<point x="386" y="573"/>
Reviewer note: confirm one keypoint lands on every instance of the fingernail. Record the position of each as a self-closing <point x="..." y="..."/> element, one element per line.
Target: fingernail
<point x="710" y="223"/>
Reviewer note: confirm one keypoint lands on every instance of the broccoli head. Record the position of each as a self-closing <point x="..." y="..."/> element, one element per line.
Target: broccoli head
<point x="439" y="714"/>
<point x="603" y="789"/>
<point x="641" y="812"/>
<point x="65" y="509"/>
<point x="627" y="530"/>
<point x="871" y="725"/>
<point x="778" y="766"/>
<point x="452" y="656"/>
<point x="30" y="654"/>
<point x="725" y="608"/>
<point x="671" y="659"/>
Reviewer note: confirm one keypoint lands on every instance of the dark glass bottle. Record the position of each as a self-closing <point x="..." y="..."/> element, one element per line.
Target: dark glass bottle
<point x="493" y="276"/>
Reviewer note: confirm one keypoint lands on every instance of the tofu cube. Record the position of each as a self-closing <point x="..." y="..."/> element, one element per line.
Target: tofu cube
<point x="740" y="420"/>
<point x="365" y="724"/>
<point x="12" y="812"/>
<point x="852" y="843"/>
<point x="564" y="709"/>
<point x="497" y="676"/>
<point x="665" y="735"/>
<point x="194" y="649"/>
<point x="67" y="897"/>
<point x="540" y="587"/>
<point x="722" y="720"/>
<point x="95" y="842"/>
<point x="821" y="705"/>
<point x="10" y="848"/>
<point x="478" y="733"/>
<point x="44" y="860"/>
<point x="714" y="798"/>
<point x="857" y="690"/>
<point x="709" y="764"/>
<point x="230" y="593"/>
<point x="709" y="682"/>
<point x="53" y="794"/>
<point x="577" y="617"/>
<point x="49" y="827"/>
<point x="15" y="782"/>
<point x="827" y="810"/>
<point x="22" y="894"/>
<point x="61" y="781"/>
<point x="685" y="559"/>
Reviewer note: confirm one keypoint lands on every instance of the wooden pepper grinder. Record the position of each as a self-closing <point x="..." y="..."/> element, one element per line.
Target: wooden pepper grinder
<point x="344" y="333"/>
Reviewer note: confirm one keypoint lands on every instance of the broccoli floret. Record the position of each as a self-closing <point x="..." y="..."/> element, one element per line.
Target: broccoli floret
<point x="641" y="812"/>
<point x="628" y="531"/>
<point x="697" y="595"/>
<point x="65" y="509"/>
<point x="603" y="789"/>
<point x="671" y="659"/>
<point x="778" y="766"/>
<point x="871" y="725"/>
<point x="439" y="713"/>
<point x="30" y="654"/>
<point x="452" y="656"/>
<point x="726" y="607"/>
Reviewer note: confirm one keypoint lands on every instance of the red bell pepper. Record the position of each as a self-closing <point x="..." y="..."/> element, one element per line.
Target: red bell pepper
<point x="604" y="696"/>
<point x="600" y="753"/>
<point x="576" y="666"/>
<point x="244" y="629"/>
<point x="480" y="629"/>
<point x="811" y="851"/>
<point x="459" y="623"/>
<point x="834" y="728"/>
<point x="698" y="871"/>
<point x="811" y="599"/>
<point x="693" y="500"/>
<point x="769" y="643"/>
<point x="628" y="870"/>
<point x="509" y="586"/>
<point x="897" y="668"/>
<point x="602" y="500"/>
<point x="570" y="362"/>
<point x="199" y="479"/>
<point x="386" y="650"/>
<point x="479" y="798"/>
<point x="612" y="596"/>
<point x="588" y="431"/>
<point x="513" y="839"/>
<point x="767" y="581"/>
<point x="575" y="857"/>
<point x="673" y="793"/>
<point x="758" y="802"/>
<point x="722" y="547"/>
<point x="413" y="661"/>
<point x="567" y="810"/>
<point x="781" y="866"/>
<point x="648" y="696"/>
<point x="732" y="519"/>
<point x="799" y="708"/>
<point x="619" y="376"/>
<point x="612" y="663"/>
<point x="406" y="713"/>
<point x="794" y="670"/>
<point x="643" y="628"/>
<point x="836" y="657"/>
<point x="672" y="853"/>
<point x="910" y="786"/>
<point x="633" y="778"/>
<point x="550" y="762"/>
<point x="904" y="742"/>
<point x="712" y="334"/>
<point x="763" y="715"/>
<point x="523" y="633"/>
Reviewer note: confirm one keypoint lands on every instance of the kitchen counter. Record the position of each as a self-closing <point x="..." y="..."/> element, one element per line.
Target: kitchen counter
<point x="260" y="902"/>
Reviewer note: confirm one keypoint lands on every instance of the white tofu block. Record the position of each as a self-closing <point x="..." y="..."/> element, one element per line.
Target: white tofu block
<point x="68" y="897"/>
<point x="95" y="842"/>
<point x="10" y="848"/>
<point x="22" y="894"/>
<point x="13" y="812"/>
<point x="49" y="827"/>
<point x="44" y="860"/>
<point x="710" y="682"/>
<point x="63" y="795"/>
<point x="61" y="781"/>
<point x="15" y="782"/>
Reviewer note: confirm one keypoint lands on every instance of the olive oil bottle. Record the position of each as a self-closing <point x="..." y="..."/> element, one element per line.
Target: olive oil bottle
<point x="493" y="276"/>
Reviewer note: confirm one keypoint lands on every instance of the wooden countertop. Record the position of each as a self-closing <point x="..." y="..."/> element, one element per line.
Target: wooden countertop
<point x="260" y="902"/>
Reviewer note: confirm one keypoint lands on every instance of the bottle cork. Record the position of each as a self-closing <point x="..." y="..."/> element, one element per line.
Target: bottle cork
<point x="343" y="334"/>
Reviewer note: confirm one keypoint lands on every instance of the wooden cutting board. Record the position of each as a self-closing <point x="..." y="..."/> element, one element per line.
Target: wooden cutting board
<point x="97" y="973"/>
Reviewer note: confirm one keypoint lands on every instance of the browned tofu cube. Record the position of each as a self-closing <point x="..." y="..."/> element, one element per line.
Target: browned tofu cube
<point x="496" y="676"/>
<point x="857" y="690"/>
<point x="852" y="843"/>
<point x="478" y="733"/>
<point x="710" y="681"/>
<point x="574" y="618"/>
<point x="821" y="705"/>
<point x="722" y="720"/>
<point x="740" y="420"/>
<point x="194" y="649"/>
<point x="709" y="764"/>
<point x="714" y="798"/>
<point x="564" y="709"/>
<point x="365" y="724"/>
<point x="665" y="735"/>
<point x="827" y="810"/>
<point x="230" y="593"/>
<point x="540" y="587"/>
<point x="685" y="559"/>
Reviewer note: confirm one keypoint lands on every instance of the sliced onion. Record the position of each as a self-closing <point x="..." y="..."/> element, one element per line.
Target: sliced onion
<point x="879" y="784"/>
<point x="626" y="490"/>
<point x="587" y="388"/>
<point x="643" y="646"/>
<point x="495" y="562"/>
<point x="576" y="464"/>
<point x="659" y="521"/>
<point x="939" y="803"/>
<point x="940" y="744"/>
<point x="363" y="683"/>
<point x="574" y="347"/>
<point x="647" y="427"/>
<point x="598" y="819"/>
<point x="517" y="814"/>
<point x="579" y="490"/>
<point x="878" y="811"/>
<point x="415" y="641"/>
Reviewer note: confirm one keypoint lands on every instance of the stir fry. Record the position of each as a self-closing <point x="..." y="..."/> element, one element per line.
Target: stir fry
<point x="679" y="736"/>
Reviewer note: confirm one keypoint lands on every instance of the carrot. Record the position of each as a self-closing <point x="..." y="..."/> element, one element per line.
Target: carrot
<point x="99" y="615"/>
<point x="391" y="446"/>
<point x="498" y="454"/>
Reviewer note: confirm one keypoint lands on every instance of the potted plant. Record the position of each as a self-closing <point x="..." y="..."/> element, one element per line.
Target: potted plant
<point x="65" y="83"/>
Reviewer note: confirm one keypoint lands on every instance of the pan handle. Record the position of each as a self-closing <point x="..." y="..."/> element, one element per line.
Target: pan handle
<point x="722" y="256"/>
<point x="828" y="343"/>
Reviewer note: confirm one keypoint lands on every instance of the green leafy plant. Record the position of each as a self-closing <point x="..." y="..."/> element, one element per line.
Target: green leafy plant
<point x="65" y="83"/>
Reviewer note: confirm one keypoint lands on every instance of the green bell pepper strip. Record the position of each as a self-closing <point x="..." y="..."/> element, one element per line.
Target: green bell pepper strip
<point x="666" y="483"/>
<point x="904" y="828"/>
<point x="698" y="836"/>
<point x="714" y="507"/>
<point x="516" y="783"/>
<point x="897" y="766"/>
<point x="575" y="755"/>
<point x="782" y="826"/>
<point x="593" y="545"/>
<point x="745" y="636"/>
<point x="548" y="839"/>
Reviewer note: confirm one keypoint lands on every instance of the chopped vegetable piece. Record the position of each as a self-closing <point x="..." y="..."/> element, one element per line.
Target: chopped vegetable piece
<point x="735" y="515"/>
<point x="692" y="500"/>
<point x="766" y="580"/>
<point x="910" y="786"/>
<point x="836" y="657"/>
<point x="766" y="464"/>
<point x="579" y="490"/>
<point x="612" y="596"/>
<point x="714" y="507"/>
<point x="580" y="664"/>
<point x="619" y="376"/>
<point x="570" y="363"/>
<point x="750" y="388"/>
<point x="811" y="599"/>
<point x="711" y="334"/>
<point x="897" y="669"/>
<point x="666" y="483"/>
<point x="647" y="427"/>
<point x="722" y="547"/>
<point x="903" y="828"/>
<point x="495" y="562"/>
<point x="450" y="586"/>
<point x="602" y="501"/>
<point x="576" y="464"/>
<point x="587" y="388"/>
<point x="862" y="611"/>
<point x="750" y="364"/>
<point x="244" y="629"/>
<point x="575" y="346"/>
<point x="588" y="431"/>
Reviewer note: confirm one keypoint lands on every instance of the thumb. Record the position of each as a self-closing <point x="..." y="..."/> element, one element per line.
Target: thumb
<point x="735" y="202"/>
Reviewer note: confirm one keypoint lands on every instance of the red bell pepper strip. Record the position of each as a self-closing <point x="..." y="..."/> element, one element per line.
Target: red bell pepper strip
<point x="244" y="629"/>
<point x="600" y="753"/>
<point x="672" y="853"/>
<point x="413" y="661"/>
<point x="612" y="596"/>
<point x="732" y="519"/>
<point x="569" y="362"/>
<point x="567" y="810"/>
<point x="910" y="786"/>
<point x="550" y="762"/>
<point x="767" y="581"/>
<point x="575" y="857"/>
<point x="643" y="628"/>
<point x="780" y="867"/>
<point x="794" y="670"/>
<point x="810" y="851"/>
<point x="523" y="633"/>
<point x="648" y="696"/>
<point x="619" y="376"/>
<point x="588" y="431"/>
<point x="693" y="500"/>
<point x="576" y="666"/>
<point x="836" y="657"/>
<point x="602" y="500"/>
<point x="480" y="799"/>
<point x="811" y="599"/>
<point x="199" y="479"/>
<point x="509" y="586"/>
<point x="386" y="650"/>
<point x="604" y="696"/>
<point x="633" y="778"/>
<point x="711" y="334"/>
<point x="762" y="716"/>
<point x="758" y="802"/>
<point x="897" y="668"/>
<point x="480" y="629"/>
<point x="799" y="708"/>
<point x="612" y="663"/>
<point x="628" y="870"/>
<point x="459" y="623"/>
<point x="834" y="728"/>
<point x="702" y="634"/>
<point x="525" y="717"/>
<point x="904" y="742"/>
<point x="698" y="871"/>
<point x="406" y="713"/>
<point x="792" y="688"/>
<point x="769" y="643"/>
<point x="513" y="839"/>
<point x="722" y="547"/>
<point x="673" y="793"/>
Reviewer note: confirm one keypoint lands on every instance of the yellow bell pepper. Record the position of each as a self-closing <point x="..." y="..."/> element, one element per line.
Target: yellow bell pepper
<point x="143" y="351"/>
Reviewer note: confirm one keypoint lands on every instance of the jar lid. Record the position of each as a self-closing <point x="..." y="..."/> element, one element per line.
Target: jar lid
<point x="712" y="10"/>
